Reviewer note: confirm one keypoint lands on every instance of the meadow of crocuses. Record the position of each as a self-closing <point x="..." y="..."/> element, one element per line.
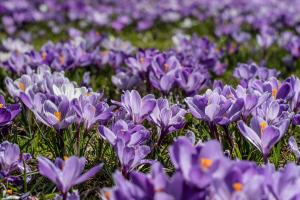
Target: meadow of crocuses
<point x="150" y="99"/>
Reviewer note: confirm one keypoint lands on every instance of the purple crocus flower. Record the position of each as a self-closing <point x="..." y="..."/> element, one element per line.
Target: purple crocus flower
<point x="239" y="182"/>
<point x="283" y="184"/>
<point x="190" y="80"/>
<point x="11" y="160"/>
<point x="246" y="72"/>
<point x="137" y="108"/>
<point x="128" y="141"/>
<point x="266" y="37"/>
<point x="154" y="185"/>
<point x="141" y="63"/>
<point x="66" y="173"/>
<point x="8" y="112"/>
<point x="200" y="164"/>
<point x="215" y="107"/>
<point x="55" y="112"/>
<point x="167" y="118"/>
<point x="163" y="71"/>
<point x="90" y="109"/>
<point x="264" y="133"/>
<point x="125" y="80"/>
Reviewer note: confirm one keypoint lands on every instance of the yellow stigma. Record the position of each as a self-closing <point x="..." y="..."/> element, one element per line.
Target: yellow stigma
<point x="57" y="114"/>
<point x="66" y="158"/>
<point x="21" y="86"/>
<point x="1" y="105"/>
<point x="107" y="195"/>
<point x="9" y="192"/>
<point x="166" y="67"/>
<point x="263" y="125"/>
<point x="274" y="92"/>
<point x="62" y="59"/>
<point x="205" y="163"/>
<point x="237" y="186"/>
<point x="142" y="60"/>
<point x="44" y="56"/>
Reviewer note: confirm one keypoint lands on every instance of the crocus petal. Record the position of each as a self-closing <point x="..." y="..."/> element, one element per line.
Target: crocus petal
<point x="250" y="135"/>
<point x="88" y="174"/>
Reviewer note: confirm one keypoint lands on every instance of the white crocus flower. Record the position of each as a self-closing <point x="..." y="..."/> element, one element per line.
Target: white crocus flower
<point x="69" y="90"/>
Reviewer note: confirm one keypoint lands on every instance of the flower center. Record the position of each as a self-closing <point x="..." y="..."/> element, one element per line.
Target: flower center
<point x="237" y="186"/>
<point x="66" y="158"/>
<point x="1" y="105"/>
<point x="263" y="125"/>
<point x="274" y="92"/>
<point x="57" y="114"/>
<point x="44" y="56"/>
<point x="142" y="60"/>
<point x="205" y="163"/>
<point x="166" y="67"/>
<point x="21" y="86"/>
<point x="62" y="60"/>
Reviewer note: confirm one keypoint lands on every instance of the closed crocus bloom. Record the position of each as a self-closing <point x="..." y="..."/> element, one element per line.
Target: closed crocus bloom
<point x="215" y="107"/>
<point x="137" y="108"/>
<point x="90" y="109"/>
<point x="8" y="112"/>
<point x="167" y="118"/>
<point x="191" y="81"/>
<point x="66" y="173"/>
<point x="128" y="141"/>
<point x="251" y="99"/>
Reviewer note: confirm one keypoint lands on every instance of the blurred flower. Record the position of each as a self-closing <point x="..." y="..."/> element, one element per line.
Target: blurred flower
<point x="8" y="112"/>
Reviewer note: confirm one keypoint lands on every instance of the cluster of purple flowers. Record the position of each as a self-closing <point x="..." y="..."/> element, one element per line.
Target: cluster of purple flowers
<point x="187" y="66"/>
<point x="203" y="172"/>
<point x="56" y="101"/>
<point x="229" y="16"/>
<point x="168" y="102"/>
<point x="90" y="49"/>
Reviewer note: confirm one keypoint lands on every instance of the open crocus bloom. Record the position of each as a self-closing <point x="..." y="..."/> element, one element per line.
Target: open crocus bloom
<point x="66" y="173"/>
<point x="260" y="134"/>
<point x="57" y="113"/>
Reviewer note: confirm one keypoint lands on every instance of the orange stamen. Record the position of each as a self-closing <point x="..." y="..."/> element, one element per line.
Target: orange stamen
<point x="58" y="116"/>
